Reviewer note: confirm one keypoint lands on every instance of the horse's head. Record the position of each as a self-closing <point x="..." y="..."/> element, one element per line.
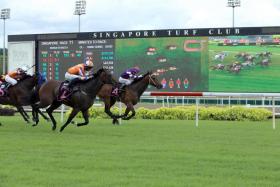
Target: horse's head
<point x="153" y="80"/>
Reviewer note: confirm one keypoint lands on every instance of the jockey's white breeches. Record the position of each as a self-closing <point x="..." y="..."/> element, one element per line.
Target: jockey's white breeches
<point x="70" y="77"/>
<point x="10" y="80"/>
<point x="125" y="81"/>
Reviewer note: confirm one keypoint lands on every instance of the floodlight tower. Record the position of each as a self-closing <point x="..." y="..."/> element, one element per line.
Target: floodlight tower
<point x="233" y="4"/>
<point x="80" y="9"/>
<point x="5" y="14"/>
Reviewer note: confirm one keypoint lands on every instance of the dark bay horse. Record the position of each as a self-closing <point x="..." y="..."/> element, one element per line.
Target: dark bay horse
<point x="24" y="93"/>
<point x="130" y="96"/>
<point x="80" y="100"/>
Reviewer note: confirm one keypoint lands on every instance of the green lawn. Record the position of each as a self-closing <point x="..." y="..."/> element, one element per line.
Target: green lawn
<point x="140" y="153"/>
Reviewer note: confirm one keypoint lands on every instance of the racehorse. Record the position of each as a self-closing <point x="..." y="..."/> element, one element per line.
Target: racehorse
<point x="235" y="67"/>
<point x="220" y="56"/>
<point x="264" y="62"/>
<point x="218" y="67"/>
<point x="80" y="100"/>
<point x="129" y="96"/>
<point x="24" y="93"/>
<point x="266" y="54"/>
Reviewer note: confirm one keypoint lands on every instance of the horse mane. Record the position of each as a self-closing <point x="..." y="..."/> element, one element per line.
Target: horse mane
<point x="99" y="72"/>
<point x="95" y="75"/>
<point x="26" y="77"/>
<point x="139" y="79"/>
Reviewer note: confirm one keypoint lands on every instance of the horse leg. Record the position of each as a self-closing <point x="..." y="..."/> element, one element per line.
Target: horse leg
<point x="21" y="111"/>
<point x="35" y="112"/>
<point x="35" y="117"/>
<point x="41" y="104"/>
<point x="127" y="110"/>
<point x="109" y="102"/>
<point x="50" y="110"/>
<point x="26" y="115"/>
<point x="85" y="115"/>
<point x="71" y="116"/>
<point x="43" y="115"/>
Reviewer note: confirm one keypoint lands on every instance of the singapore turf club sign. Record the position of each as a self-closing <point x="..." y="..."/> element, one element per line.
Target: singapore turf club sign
<point x="166" y="33"/>
<point x="242" y="31"/>
<point x="185" y="32"/>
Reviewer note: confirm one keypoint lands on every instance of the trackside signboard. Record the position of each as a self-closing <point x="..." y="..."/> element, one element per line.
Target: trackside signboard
<point x="185" y="60"/>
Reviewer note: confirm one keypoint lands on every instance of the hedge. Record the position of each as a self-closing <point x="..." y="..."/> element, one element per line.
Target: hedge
<point x="7" y="111"/>
<point x="188" y="113"/>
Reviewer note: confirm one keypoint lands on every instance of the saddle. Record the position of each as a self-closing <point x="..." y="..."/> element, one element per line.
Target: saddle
<point x="4" y="89"/>
<point x="64" y="91"/>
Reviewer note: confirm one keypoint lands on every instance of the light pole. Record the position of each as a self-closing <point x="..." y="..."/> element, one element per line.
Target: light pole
<point x="80" y="9"/>
<point x="5" y="14"/>
<point x="233" y="4"/>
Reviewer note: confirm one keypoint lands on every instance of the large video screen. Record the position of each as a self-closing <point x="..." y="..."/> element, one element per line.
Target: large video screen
<point x="249" y="63"/>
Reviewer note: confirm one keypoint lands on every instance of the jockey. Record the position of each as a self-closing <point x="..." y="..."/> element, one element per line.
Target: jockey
<point x="129" y="75"/>
<point x="13" y="76"/>
<point x="78" y="72"/>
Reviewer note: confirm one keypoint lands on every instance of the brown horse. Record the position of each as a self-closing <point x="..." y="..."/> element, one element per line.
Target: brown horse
<point x="129" y="96"/>
<point x="24" y="93"/>
<point x="80" y="100"/>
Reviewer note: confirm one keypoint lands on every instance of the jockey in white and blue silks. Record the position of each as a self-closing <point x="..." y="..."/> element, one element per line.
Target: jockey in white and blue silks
<point x="129" y="75"/>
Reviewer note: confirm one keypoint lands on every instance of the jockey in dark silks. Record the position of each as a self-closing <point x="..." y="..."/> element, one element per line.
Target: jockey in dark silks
<point x="129" y="75"/>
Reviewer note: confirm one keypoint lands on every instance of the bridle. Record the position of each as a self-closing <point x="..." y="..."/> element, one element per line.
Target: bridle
<point x="151" y="79"/>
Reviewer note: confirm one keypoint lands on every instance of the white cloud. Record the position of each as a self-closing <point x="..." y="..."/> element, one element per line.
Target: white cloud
<point x="48" y="16"/>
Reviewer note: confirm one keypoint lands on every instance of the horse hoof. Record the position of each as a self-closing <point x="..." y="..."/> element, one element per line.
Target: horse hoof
<point x="53" y="128"/>
<point x="34" y="125"/>
<point x="0" y="124"/>
<point x="115" y="121"/>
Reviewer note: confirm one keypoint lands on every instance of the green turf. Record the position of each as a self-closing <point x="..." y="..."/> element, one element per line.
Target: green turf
<point x="140" y="153"/>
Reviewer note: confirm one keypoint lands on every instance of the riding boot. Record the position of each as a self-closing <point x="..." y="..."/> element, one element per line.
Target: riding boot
<point x="122" y="88"/>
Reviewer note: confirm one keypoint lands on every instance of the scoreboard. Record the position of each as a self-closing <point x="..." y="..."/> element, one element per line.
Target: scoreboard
<point x="185" y="60"/>
<point x="56" y="57"/>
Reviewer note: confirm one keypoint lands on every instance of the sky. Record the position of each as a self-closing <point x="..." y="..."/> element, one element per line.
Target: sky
<point x="55" y="16"/>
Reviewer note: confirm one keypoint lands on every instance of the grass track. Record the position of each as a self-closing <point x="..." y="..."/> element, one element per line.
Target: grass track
<point x="140" y="153"/>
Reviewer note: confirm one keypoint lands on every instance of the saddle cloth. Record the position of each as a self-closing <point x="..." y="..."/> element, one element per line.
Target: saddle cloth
<point x="117" y="89"/>
<point x="4" y="89"/>
<point x="64" y="91"/>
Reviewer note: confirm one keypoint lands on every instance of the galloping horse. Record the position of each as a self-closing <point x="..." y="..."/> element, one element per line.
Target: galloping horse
<point x="130" y="96"/>
<point x="80" y="100"/>
<point x="24" y="93"/>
